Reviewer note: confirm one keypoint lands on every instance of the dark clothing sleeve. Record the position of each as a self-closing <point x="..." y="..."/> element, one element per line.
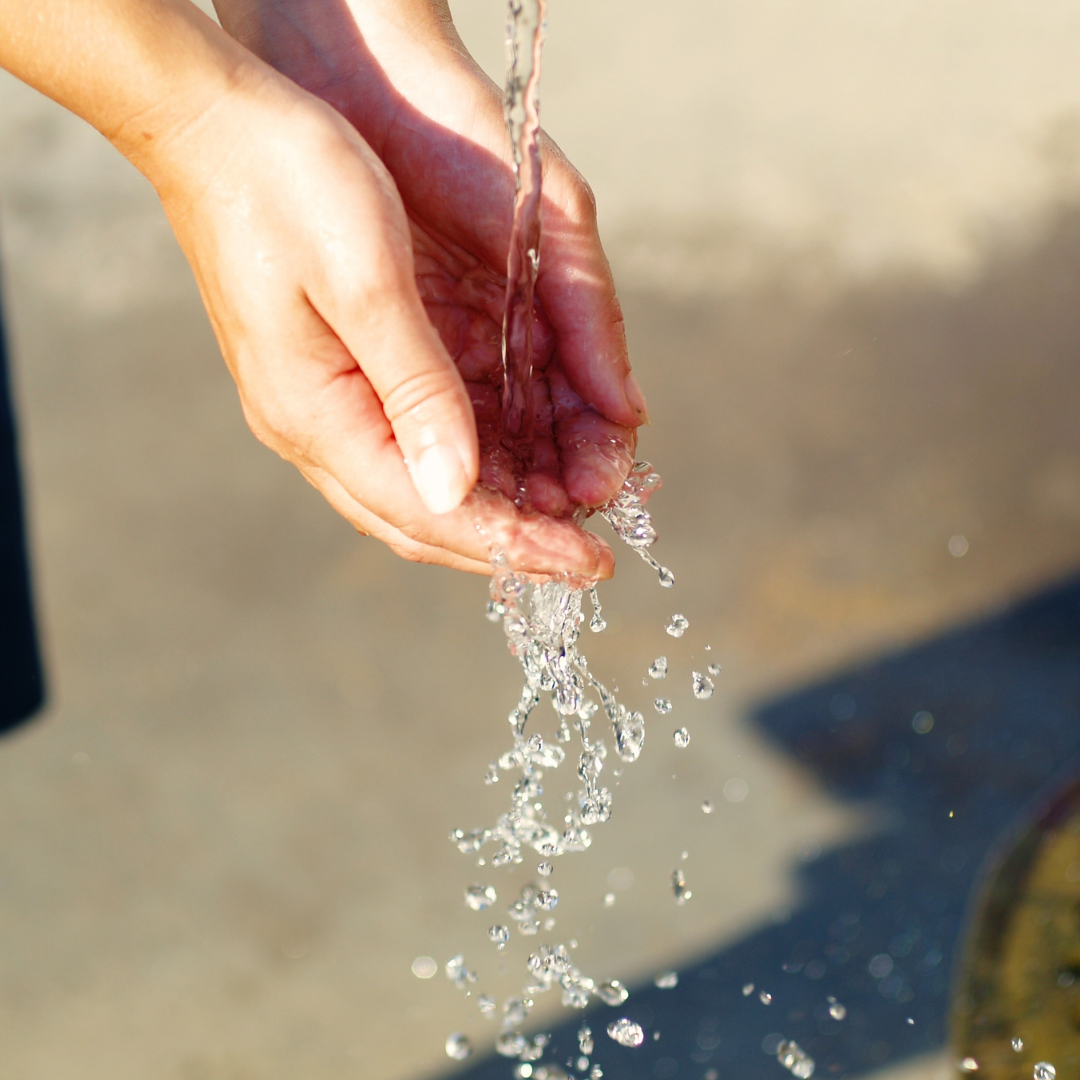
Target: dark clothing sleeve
<point x="21" y="682"/>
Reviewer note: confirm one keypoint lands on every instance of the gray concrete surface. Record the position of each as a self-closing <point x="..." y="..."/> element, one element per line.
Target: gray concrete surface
<point x="851" y="261"/>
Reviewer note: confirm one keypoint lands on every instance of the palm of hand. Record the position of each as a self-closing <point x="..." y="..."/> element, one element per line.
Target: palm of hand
<point x="579" y="458"/>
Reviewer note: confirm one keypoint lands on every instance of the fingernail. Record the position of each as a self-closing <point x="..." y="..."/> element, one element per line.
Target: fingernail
<point x="440" y="479"/>
<point x="636" y="398"/>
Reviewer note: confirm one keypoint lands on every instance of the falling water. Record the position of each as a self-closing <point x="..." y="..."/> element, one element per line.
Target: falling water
<point x="542" y="623"/>
<point x="524" y="42"/>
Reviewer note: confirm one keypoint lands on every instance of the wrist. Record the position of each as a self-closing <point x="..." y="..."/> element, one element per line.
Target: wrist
<point x="360" y="56"/>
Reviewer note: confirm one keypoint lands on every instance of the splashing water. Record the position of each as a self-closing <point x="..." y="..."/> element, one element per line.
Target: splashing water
<point x="678" y="887"/>
<point x="458" y="1047"/>
<point x="585" y="1040"/>
<point x="795" y="1059"/>
<point x="479" y="897"/>
<point x="1044" y="1071"/>
<point x="626" y="1033"/>
<point x="702" y="686"/>
<point x="542" y="623"/>
<point x="678" y="626"/>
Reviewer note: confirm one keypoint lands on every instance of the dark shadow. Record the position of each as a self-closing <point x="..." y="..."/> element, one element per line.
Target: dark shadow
<point x="880" y="920"/>
<point x="21" y="682"/>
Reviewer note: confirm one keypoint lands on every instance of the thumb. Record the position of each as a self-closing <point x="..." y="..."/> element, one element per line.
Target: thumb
<point x="421" y="391"/>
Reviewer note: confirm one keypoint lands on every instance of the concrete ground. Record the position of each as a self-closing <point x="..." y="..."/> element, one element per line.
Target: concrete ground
<point x="850" y="250"/>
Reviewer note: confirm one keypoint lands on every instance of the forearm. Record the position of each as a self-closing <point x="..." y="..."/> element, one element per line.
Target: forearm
<point x="140" y="71"/>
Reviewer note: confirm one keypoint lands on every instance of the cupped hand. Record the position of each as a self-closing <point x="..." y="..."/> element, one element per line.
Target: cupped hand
<point x="397" y="70"/>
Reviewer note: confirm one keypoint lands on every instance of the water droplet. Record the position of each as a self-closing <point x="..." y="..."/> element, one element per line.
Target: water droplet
<point x="458" y="973"/>
<point x="682" y="738"/>
<point x="626" y="1033"/>
<point x="795" y="1059"/>
<point x="612" y="992"/>
<point x="714" y="670"/>
<point x="547" y="899"/>
<point x="597" y="624"/>
<point x="836" y="1010"/>
<point x="667" y="981"/>
<point x="703" y="686"/>
<point x="596" y="1073"/>
<point x="678" y="887"/>
<point x="511" y="1044"/>
<point x="500" y="935"/>
<point x="678" y="626"/>
<point x="748" y="989"/>
<point x="1044" y="1071"/>
<point x="487" y="1004"/>
<point x="1018" y="1044"/>
<point x="658" y="668"/>
<point x="458" y="1047"/>
<point x="582" y="1064"/>
<point x="480" y="897"/>
<point x="662" y="705"/>
<point x="969" y="1064"/>
<point x="609" y="899"/>
<point x="585" y="1042"/>
<point x="544" y="869"/>
<point x="424" y="967"/>
<point x="765" y="997"/>
<point x="706" y="806"/>
<point x="667" y="578"/>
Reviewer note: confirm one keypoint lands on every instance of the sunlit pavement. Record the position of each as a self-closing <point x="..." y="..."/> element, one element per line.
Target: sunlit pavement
<point x="850" y="259"/>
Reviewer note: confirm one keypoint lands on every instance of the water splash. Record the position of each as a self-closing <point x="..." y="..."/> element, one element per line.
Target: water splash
<point x="458" y="1047"/>
<point x="626" y="1033"/>
<point x="702" y="686"/>
<point x="678" y="887"/>
<point x="795" y="1059"/>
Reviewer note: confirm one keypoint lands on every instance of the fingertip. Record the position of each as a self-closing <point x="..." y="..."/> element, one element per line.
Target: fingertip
<point x="441" y="478"/>
<point x="635" y="399"/>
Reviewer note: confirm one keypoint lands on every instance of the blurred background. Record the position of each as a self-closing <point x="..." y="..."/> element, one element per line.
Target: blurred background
<point x="847" y="235"/>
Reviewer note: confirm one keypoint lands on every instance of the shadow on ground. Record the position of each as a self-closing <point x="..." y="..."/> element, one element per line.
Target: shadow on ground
<point x="880" y="920"/>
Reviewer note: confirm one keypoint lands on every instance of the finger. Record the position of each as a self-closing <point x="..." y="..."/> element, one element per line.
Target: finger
<point x="596" y="454"/>
<point x="373" y="305"/>
<point x="367" y="524"/>
<point x="355" y="445"/>
<point x="577" y="292"/>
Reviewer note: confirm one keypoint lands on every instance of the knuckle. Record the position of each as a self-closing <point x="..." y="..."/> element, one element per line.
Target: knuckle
<point x="418" y="393"/>
<point x="581" y="201"/>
